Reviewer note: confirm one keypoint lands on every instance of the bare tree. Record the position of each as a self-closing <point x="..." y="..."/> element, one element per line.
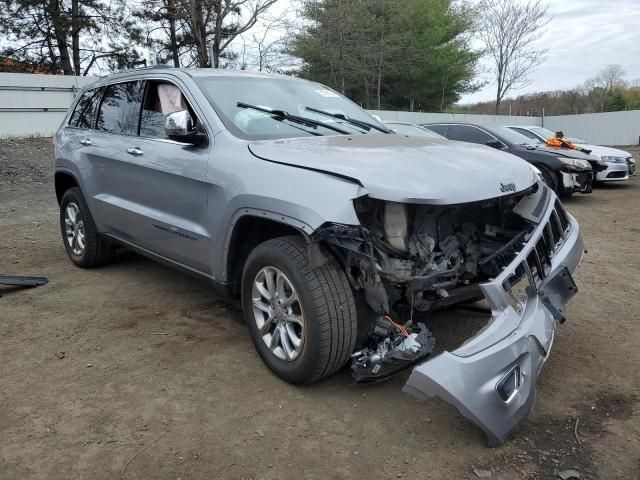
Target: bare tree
<point x="509" y="30"/>
<point x="574" y="99"/>
<point x="228" y="19"/>
<point x="610" y="77"/>
<point x="265" y="49"/>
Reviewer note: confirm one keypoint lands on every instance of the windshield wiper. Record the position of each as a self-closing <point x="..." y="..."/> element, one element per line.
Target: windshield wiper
<point x="341" y="116"/>
<point x="293" y="118"/>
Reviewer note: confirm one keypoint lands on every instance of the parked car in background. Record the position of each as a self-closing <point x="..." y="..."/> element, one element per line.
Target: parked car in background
<point x="411" y="130"/>
<point x="333" y="233"/>
<point x="565" y="172"/>
<point x="620" y="164"/>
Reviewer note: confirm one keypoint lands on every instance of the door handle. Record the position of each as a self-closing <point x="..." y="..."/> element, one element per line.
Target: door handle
<point x="86" y="142"/>
<point x="134" y="151"/>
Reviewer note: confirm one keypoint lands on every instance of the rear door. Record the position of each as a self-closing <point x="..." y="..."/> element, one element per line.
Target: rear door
<point x="116" y="123"/>
<point x="75" y="140"/>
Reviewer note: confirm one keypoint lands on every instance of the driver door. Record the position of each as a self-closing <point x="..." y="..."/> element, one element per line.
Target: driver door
<point x="166" y="181"/>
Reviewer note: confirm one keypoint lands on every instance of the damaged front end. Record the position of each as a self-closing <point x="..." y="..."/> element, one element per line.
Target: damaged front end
<point x="578" y="175"/>
<point x="515" y="253"/>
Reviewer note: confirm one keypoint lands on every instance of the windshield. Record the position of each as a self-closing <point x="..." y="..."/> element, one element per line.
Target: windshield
<point x="412" y="130"/>
<point x="511" y="136"/>
<point x="295" y="97"/>
<point x="543" y="132"/>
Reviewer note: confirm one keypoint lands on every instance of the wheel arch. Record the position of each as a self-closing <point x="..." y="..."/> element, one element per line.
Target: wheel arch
<point x="248" y="229"/>
<point x="64" y="180"/>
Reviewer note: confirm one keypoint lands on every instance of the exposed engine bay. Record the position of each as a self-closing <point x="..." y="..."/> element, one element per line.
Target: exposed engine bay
<point x="412" y="258"/>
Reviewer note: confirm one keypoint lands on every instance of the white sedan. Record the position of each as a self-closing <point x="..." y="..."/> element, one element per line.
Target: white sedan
<point x="620" y="164"/>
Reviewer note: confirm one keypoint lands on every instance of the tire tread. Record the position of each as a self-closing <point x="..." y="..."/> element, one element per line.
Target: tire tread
<point x="332" y="303"/>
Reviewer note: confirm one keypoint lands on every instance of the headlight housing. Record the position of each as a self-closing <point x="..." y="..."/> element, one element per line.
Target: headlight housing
<point x="610" y="159"/>
<point x="537" y="171"/>
<point x="575" y="162"/>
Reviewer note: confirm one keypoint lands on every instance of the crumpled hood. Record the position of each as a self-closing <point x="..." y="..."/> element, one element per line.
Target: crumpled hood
<point x="406" y="169"/>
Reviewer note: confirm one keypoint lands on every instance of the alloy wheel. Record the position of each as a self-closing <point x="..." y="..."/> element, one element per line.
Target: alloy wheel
<point x="278" y="313"/>
<point x="74" y="228"/>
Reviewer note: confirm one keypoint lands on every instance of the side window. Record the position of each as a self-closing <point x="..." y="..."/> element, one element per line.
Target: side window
<point x="466" y="133"/>
<point x="118" y="111"/>
<point x="85" y="112"/>
<point x="161" y="99"/>
<point x="441" y="129"/>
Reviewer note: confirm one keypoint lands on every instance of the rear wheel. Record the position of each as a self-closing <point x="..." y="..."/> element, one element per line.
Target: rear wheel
<point x="302" y="320"/>
<point x="84" y="245"/>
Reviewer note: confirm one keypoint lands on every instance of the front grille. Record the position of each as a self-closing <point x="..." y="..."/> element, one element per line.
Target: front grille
<point x="632" y="166"/>
<point x="553" y="235"/>
<point x="618" y="174"/>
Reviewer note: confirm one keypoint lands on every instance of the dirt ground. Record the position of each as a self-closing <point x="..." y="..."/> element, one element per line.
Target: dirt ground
<point x="137" y="367"/>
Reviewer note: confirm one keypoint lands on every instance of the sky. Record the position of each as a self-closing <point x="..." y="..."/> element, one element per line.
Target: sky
<point x="582" y="37"/>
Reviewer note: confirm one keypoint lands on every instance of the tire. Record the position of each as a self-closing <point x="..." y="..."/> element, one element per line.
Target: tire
<point x="325" y="300"/>
<point x="550" y="178"/>
<point x="95" y="250"/>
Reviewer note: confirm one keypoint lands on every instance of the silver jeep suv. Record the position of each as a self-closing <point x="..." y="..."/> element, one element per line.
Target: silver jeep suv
<point x="338" y="236"/>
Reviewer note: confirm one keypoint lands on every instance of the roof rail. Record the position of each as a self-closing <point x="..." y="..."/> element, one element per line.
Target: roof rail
<point x="161" y="65"/>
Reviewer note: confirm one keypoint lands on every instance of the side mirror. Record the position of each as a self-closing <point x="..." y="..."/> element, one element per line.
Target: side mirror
<point x="178" y="124"/>
<point x="179" y="127"/>
<point x="495" y="144"/>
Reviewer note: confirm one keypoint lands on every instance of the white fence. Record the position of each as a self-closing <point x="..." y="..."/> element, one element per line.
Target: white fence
<point x="36" y="104"/>
<point x="609" y="128"/>
<point x="422" y="117"/>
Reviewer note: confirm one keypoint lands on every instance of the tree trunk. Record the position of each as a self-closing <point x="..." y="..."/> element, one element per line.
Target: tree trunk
<point x="379" y="85"/>
<point x="175" y="54"/>
<point x="444" y="90"/>
<point x="379" y="79"/>
<point x="60" y="34"/>
<point x="53" y="68"/>
<point x="75" y="36"/>
<point x="199" y="33"/>
<point x="217" y="36"/>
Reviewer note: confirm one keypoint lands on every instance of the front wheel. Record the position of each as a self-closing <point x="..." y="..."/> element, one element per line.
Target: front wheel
<point x="302" y="320"/>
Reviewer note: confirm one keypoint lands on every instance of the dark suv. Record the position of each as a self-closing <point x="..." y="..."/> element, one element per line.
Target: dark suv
<point x="565" y="171"/>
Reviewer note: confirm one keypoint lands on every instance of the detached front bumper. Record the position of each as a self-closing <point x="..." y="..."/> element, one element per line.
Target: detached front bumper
<point x="511" y="350"/>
